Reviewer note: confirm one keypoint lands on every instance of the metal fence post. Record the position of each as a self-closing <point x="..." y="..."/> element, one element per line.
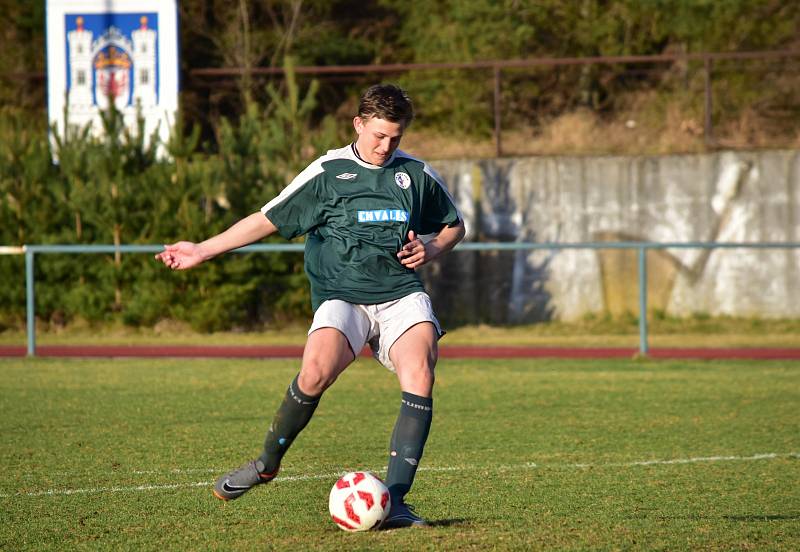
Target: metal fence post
<point x="498" y="146"/>
<point x="643" y="346"/>
<point x="708" y="132"/>
<point x="29" y="294"/>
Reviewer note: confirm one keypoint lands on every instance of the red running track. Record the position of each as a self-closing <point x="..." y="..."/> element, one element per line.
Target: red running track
<point x="451" y="351"/>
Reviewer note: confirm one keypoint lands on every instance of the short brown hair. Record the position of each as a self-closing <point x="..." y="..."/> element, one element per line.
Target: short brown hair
<point x="386" y="101"/>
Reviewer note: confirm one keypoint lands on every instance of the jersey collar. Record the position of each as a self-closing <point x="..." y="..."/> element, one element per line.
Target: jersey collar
<point x="367" y="164"/>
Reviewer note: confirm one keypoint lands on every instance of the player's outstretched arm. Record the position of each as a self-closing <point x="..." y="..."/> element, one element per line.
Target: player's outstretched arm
<point x="415" y="253"/>
<point x="184" y="255"/>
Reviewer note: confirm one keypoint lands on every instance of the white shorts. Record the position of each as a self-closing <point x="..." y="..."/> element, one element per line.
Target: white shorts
<point x="379" y="325"/>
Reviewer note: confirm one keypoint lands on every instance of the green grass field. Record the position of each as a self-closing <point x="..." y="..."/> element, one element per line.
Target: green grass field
<point x="523" y="455"/>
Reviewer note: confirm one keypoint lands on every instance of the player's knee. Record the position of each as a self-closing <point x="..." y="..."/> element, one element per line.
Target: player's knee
<point x="315" y="377"/>
<point x="417" y="376"/>
<point x="427" y="375"/>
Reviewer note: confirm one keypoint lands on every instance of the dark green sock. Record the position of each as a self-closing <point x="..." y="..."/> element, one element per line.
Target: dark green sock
<point x="290" y="419"/>
<point x="408" y="441"/>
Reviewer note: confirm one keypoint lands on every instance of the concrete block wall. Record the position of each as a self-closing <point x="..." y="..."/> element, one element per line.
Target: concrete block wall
<point x="725" y="197"/>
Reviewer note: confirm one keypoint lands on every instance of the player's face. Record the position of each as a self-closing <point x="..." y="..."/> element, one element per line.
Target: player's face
<point x="377" y="138"/>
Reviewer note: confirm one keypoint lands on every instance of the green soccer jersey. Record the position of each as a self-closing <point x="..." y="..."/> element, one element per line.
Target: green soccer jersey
<point x="357" y="217"/>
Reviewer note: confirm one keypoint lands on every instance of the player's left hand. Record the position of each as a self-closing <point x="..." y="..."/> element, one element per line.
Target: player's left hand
<point x="415" y="253"/>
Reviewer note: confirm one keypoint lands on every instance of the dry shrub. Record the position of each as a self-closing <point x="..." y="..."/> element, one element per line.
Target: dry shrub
<point x="575" y="132"/>
<point x="649" y="125"/>
<point x="749" y="130"/>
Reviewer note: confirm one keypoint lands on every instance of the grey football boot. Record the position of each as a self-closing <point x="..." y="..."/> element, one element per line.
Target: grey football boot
<point x="402" y="515"/>
<point x="234" y="484"/>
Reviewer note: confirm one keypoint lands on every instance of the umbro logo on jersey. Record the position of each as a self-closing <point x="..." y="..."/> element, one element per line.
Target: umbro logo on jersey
<point x="346" y="176"/>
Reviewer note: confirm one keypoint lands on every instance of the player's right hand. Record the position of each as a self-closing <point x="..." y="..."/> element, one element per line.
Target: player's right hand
<point x="181" y="255"/>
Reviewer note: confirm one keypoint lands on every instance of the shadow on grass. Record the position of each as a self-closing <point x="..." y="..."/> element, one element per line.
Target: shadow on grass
<point x="742" y="518"/>
<point x="763" y="517"/>
<point x="447" y="522"/>
<point x="436" y="523"/>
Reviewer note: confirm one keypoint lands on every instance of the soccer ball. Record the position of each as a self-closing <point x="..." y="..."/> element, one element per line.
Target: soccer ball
<point x="359" y="501"/>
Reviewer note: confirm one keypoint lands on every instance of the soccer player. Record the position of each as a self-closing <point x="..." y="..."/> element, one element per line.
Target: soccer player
<point x="372" y="215"/>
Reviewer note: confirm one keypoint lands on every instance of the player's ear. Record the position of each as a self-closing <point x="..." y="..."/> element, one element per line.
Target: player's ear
<point x="358" y="124"/>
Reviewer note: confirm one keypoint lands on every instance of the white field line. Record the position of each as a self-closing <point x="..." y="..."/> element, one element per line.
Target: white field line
<point x="310" y="477"/>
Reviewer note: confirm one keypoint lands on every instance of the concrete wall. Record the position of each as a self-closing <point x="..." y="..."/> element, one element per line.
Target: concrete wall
<point x="726" y="197"/>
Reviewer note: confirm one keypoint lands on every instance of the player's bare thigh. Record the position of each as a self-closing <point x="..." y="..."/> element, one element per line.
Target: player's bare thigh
<point x="414" y="356"/>
<point x="327" y="353"/>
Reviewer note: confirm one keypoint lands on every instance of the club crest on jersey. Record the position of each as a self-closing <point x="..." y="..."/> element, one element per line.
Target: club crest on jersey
<point x="402" y="180"/>
<point x="383" y="215"/>
<point x="346" y="176"/>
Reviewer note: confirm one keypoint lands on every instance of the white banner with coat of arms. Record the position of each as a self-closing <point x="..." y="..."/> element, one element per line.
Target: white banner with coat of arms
<point x="120" y="51"/>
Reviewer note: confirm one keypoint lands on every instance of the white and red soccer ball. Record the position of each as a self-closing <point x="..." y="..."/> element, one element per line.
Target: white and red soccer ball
<point x="359" y="501"/>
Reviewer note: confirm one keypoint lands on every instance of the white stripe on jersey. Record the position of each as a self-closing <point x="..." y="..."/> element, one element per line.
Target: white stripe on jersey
<point x="433" y="174"/>
<point x="346" y="152"/>
<point x="306" y="175"/>
<point x="299" y="181"/>
<point x="314" y="169"/>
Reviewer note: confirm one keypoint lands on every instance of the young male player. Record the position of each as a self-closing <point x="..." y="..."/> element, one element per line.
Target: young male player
<point x="372" y="215"/>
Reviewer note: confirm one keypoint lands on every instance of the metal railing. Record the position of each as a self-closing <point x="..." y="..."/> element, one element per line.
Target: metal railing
<point x="30" y="252"/>
<point x="496" y="66"/>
